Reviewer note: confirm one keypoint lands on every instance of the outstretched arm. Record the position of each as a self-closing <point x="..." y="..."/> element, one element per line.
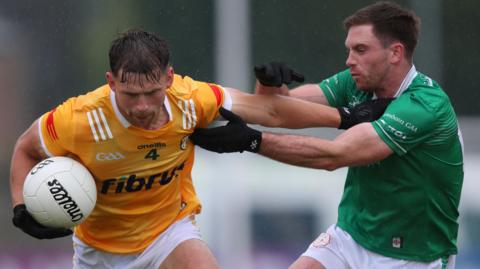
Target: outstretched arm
<point x="347" y="149"/>
<point x="358" y="145"/>
<point x="273" y="110"/>
<point x="282" y="111"/>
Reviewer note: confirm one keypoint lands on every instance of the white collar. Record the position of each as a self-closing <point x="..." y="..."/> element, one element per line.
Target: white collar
<point x="123" y="120"/>
<point x="407" y="80"/>
<point x="412" y="73"/>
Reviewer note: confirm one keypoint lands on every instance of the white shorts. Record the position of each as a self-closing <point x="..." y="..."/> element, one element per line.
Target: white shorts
<point x="86" y="257"/>
<point x="336" y="249"/>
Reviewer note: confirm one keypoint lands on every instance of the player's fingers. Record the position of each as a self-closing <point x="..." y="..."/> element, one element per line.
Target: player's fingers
<point x="297" y="77"/>
<point x="286" y="73"/>
<point x="50" y="233"/>
<point x="274" y="72"/>
<point x="267" y="71"/>
<point x="199" y="134"/>
<point x="259" y="69"/>
<point x="60" y="232"/>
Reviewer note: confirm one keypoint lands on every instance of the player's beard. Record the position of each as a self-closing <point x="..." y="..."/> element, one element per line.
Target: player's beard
<point x="363" y="84"/>
<point x="370" y="82"/>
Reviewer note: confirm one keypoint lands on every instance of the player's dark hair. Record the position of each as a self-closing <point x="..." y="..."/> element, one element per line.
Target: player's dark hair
<point x="390" y="23"/>
<point x="136" y="52"/>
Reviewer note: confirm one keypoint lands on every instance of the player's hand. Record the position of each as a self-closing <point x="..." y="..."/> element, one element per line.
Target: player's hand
<point x="365" y="112"/>
<point x="236" y="136"/>
<point x="274" y="74"/>
<point x="23" y="220"/>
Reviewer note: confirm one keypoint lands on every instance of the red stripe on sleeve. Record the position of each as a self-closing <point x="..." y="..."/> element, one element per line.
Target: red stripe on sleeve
<point x="51" y="126"/>
<point x="218" y="94"/>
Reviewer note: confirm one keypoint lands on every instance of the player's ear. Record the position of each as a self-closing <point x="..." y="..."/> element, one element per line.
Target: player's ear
<point x="110" y="80"/>
<point x="397" y="51"/>
<point x="170" y="74"/>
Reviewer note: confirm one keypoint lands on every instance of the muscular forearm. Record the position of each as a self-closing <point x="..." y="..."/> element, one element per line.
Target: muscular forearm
<point x="21" y="165"/>
<point x="262" y="89"/>
<point x="299" y="150"/>
<point x="281" y="111"/>
<point x="294" y="113"/>
<point x="26" y="154"/>
<point x="309" y="92"/>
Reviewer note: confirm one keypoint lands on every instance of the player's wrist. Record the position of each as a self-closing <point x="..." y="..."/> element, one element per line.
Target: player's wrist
<point x="21" y="218"/>
<point x="18" y="207"/>
<point x="255" y="139"/>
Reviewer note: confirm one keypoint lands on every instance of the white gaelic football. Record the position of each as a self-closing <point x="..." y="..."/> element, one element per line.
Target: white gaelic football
<point x="59" y="192"/>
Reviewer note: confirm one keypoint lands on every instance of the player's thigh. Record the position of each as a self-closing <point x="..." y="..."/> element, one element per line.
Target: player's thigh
<point x="305" y="262"/>
<point x="190" y="254"/>
<point x="327" y="251"/>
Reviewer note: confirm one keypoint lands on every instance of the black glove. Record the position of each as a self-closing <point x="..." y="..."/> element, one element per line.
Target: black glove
<point x="367" y="111"/>
<point x="23" y="220"/>
<point x="236" y="136"/>
<point x="275" y="74"/>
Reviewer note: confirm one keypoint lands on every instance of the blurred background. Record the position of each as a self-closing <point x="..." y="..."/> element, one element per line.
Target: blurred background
<point x="257" y="213"/>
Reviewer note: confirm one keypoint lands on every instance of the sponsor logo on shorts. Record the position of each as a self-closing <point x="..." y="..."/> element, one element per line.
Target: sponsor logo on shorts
<point x="321" y="241"/>
<point x="397" y="242"/>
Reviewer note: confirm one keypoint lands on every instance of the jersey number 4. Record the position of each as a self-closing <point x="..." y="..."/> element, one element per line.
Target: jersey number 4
<point x="152" y="154"/>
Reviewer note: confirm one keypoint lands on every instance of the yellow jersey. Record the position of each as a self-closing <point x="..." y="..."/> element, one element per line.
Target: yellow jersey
<point x="143" y="177"/>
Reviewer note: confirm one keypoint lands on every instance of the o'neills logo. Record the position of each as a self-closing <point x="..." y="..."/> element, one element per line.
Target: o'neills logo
<point x="64" y="200"/>
<point x="40" y="166"/>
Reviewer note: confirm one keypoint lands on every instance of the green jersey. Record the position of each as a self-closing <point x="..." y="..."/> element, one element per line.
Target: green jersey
<point x="405" y="206"/>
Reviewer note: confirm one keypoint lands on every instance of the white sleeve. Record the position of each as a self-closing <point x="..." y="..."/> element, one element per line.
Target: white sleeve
<point x="227" y="99"/>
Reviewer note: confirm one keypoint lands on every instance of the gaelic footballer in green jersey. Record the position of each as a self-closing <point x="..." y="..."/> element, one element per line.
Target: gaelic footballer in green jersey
<point x="420" y="182"/>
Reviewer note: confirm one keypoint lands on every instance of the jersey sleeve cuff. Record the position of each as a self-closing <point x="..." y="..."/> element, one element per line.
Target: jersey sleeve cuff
<point x="227" y="99"/>
<point x="384" y="135"/>
<point x="40" y="136"/>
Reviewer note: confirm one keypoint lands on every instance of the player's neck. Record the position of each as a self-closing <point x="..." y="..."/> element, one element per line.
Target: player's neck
<point x="393" y="80"/>
<point x="154" y="122"/>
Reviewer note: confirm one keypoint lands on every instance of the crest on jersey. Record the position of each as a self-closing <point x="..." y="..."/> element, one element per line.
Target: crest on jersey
<point x="184" y="143"/>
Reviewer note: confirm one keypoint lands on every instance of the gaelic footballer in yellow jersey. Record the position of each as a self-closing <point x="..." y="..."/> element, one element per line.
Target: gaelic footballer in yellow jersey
<point x="143" y="177"/>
